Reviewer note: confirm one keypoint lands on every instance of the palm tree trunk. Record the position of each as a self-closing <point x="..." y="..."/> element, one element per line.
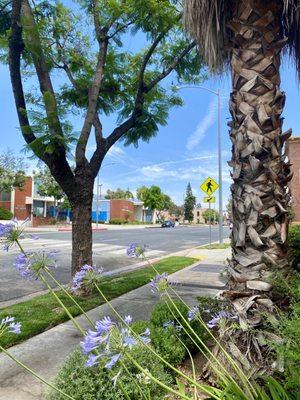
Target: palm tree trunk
<point x="260" y="172"/>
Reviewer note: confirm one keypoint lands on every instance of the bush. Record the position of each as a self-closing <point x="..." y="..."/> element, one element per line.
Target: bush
<point x="165" y="339"/>
<point x="117" y="221"/>
<point x="96" y="383"/>
<point x="294" y="243"/>
<point x="288" y="351"/>
<point x="5" y="214"/>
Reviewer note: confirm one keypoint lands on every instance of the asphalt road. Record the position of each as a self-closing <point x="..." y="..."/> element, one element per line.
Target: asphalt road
<point x="109" y="248"/>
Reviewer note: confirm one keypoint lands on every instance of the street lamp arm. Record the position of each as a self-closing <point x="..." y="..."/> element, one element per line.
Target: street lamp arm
<point x="198" y="87"/>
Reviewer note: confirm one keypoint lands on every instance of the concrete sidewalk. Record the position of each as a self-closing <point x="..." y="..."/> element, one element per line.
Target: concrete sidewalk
<point x="45" y="352"/>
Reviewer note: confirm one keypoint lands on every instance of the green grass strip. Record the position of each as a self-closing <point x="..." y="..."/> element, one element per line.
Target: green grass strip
<point x="43" y="312"/>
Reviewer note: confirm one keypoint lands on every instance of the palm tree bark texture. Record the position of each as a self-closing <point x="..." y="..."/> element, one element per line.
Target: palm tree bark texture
<point x="259" y="170"/>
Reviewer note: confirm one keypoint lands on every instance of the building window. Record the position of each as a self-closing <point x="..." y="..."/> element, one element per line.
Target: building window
<point x="38" y="208"/>
<point x="198" y="213"/>
<point x="5" y="196"/>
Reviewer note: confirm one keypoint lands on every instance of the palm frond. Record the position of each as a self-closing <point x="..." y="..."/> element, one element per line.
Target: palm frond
<point x="291" y="27"/>
<point x="206" y="21"/>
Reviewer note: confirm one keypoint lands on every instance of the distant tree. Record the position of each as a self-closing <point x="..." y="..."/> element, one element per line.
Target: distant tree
<point x="47" y="186"/>
<point x="189" y="204"/>
<point x="154" y="199"/>
<point x="12" y="171"/>
<point x="210" y="214"/>
<point x="119" y="194"/>
<point x="176" y="210"/>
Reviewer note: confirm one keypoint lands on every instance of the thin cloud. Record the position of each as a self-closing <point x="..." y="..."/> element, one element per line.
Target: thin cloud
<point x="198" y="135"/>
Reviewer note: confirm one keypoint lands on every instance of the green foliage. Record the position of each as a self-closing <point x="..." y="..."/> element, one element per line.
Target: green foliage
<point x="154" y="198"/>
<point x="288" y="350"/>
<point x="166" y="340"/>
<point x="288" y="328"/>
<point x="210" y="214"/>
<point x="294" y="245"/>
<point x="47" y="185"/>
<point x="117" y="221"/>
<point x="96" y="383"/>
<point x="12" y="173"/>
<point x="119" y="194"/>
<point x="189" y="204"/>
<point x="5" y="214"/>
<point x="67" y="43"/>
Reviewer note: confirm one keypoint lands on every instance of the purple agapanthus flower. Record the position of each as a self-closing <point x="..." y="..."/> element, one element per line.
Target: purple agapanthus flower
<point x="136" y="250"/>
<point x="159" y="283"/>
<point x="110" y="341"/>
<point x="5" y="229"/>
<point x="193" y="313"/>
<point x="92" y="360"/>
<point x="113" y="360"/>
<point x="12" y="232"/>
<point x="222" y="315"/>
<point x="85" y="277"/>
<point x="9" y="324"/>
<point x="31" y="264"/>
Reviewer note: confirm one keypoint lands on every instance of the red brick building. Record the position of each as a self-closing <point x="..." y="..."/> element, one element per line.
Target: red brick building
<point x="28" y="203"/>
<point x="123" y="209"/>
<point x="293" y="152"/>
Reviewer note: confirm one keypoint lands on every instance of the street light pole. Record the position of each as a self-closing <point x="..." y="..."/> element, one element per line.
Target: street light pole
<point x="218" y="94"/>
<point x="97" y="195"/>
<point x="220" y="171"/>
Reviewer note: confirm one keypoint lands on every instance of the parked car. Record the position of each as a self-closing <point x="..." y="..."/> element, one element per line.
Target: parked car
<point x="168" y="224"/>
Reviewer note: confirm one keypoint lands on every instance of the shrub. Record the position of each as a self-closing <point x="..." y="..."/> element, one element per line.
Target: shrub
<point x="116" y="221"/>
<point x="5" y="214"/>
<point x="165" y="339"/>
<point x="294" y="243"/>
<point x="96" y="383"/>
<point x="288" y="351"/>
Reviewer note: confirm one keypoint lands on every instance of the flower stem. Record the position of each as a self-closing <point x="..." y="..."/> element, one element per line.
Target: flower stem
<point x="62" y="304"/>
<point x="70" y="296"/>
<point x="204" y="388"/>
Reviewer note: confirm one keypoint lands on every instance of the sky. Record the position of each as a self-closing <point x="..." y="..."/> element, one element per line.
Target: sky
<point x="183" y="151"/>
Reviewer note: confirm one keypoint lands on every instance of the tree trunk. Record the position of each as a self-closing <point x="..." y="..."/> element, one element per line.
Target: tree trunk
<point x="260" y="173"/>
<point x="82" y="240"/>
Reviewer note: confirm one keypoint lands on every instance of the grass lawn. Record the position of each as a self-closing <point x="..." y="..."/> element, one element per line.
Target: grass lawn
<point x="215" y="246"/>
<point x="43" y="312"/>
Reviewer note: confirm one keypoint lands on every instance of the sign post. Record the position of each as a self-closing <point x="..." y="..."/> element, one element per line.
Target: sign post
<point x="209" y="186"/>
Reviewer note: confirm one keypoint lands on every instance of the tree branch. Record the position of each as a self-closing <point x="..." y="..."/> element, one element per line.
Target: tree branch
<point x="118" y="30"/>
<point x="16" y="47"/>
<point x="171" y="68"/>
<point x="94" y="91"/>
<point x="35" y="47"/>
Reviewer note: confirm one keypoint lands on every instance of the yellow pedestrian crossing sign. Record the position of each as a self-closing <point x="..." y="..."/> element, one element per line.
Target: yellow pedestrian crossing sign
<point x="209" y="199"/>
<point x="209" y="186"/>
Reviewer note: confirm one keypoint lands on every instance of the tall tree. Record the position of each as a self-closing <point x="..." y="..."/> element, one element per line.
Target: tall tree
<point x="189" y="204"/>
<point x="12" y="171"/>
<point x="248" y="36"/>
<point x="82" y="66"/>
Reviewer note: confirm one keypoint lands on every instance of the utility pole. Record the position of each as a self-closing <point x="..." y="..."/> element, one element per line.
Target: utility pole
<point x="218" y="94"/>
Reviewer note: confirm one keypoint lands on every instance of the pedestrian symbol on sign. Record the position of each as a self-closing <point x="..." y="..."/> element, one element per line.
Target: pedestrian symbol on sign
<point x="209" y="186"/>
